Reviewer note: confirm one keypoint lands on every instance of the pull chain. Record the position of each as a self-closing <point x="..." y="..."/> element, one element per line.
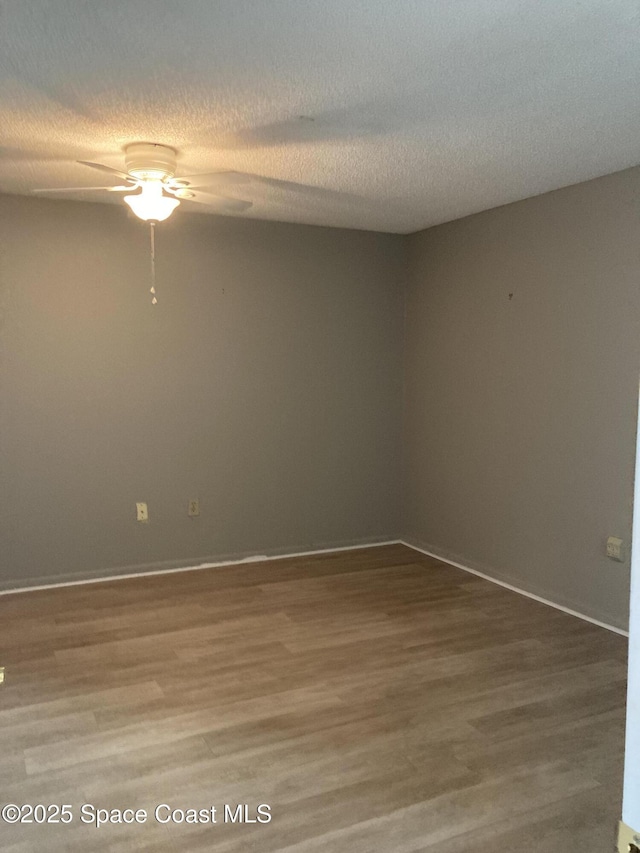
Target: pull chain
<point x="152" y="231"/>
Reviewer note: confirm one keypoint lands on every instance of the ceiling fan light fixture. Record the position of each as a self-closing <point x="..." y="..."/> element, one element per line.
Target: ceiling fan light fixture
<point x="149" y="161"/>
<point x="150" y="204"/>
<point x="151" y="169"/>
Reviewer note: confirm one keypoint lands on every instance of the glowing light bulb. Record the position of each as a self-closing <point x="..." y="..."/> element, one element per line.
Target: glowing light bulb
<point x="151" y="204"/>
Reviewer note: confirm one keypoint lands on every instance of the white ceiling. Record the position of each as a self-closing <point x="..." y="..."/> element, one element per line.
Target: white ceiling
<point x="390" y="115"/>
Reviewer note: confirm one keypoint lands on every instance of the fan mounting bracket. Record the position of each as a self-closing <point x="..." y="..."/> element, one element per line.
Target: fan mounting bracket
<point x="148" y="161"/>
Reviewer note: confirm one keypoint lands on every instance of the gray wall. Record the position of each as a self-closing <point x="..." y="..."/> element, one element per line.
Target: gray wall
<point x="520" y="412"/>
<point x="267" y="382"/>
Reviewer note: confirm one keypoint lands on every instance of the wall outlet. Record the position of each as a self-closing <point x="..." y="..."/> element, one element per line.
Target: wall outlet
<point x="1" y="675"/>
<point x="628" y="839"/>
<point x="194" y="508"/>
<point x="142" y="512"/>
<point x="615" y="549"/>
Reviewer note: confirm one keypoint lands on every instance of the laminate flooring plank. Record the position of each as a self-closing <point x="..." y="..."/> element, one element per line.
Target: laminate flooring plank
<point x="377" y="700"/>
<point x="570" y="825"/>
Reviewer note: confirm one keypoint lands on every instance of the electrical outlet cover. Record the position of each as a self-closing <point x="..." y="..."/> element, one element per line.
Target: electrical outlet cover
<point x="615" y="549"/>
<point x="142" y="512"/>
<point x="194" y="507"/>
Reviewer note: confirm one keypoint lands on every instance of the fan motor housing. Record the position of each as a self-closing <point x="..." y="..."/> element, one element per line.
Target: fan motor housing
<point x="149" y="161"/>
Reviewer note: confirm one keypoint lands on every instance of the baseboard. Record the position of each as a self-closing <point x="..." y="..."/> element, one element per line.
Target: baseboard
<point x="513" y="588"/>
<point x="169" y="567"/>
<point x="174" y="566"/>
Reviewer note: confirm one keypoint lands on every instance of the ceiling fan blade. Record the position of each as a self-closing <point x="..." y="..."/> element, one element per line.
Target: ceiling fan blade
<point x="222" y="203"/>
<point x="214" y="189"/>
<point x="81" y="189"/>
<point x="227" y="178"/>
<point x="108" y="169"/>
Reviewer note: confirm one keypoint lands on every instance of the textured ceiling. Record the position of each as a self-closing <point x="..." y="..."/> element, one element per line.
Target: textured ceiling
<point x="390" y="115"/>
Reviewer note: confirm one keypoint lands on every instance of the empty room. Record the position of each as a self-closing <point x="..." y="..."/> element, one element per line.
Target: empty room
<point x="319" y="359"/>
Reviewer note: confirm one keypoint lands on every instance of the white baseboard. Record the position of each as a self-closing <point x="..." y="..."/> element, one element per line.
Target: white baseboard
<point x="517" y="589"/>
<point x="254" y="558"/>
<point x="284" y="555"/>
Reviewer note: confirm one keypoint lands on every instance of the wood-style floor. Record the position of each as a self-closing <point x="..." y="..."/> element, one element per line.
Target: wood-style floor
<point x="377" y="700"/>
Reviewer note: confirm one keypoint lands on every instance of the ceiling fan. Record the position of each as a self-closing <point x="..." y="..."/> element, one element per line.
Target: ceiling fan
<point x="151" y="169"/>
